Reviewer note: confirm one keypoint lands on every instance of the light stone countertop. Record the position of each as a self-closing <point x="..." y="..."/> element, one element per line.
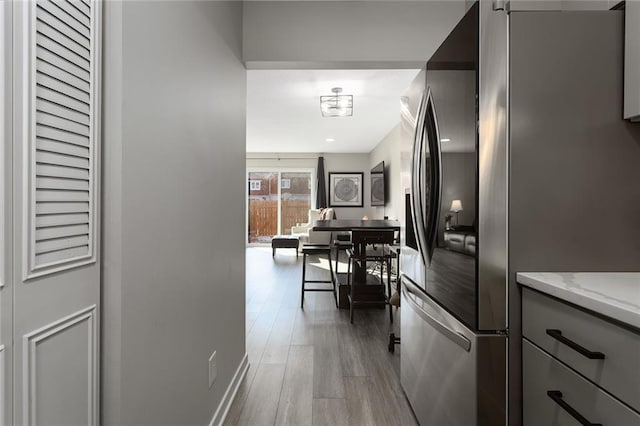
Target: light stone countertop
<point x="613" y="294"/>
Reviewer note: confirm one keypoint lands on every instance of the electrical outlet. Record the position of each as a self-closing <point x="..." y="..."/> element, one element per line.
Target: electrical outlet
<point x="213" y="370"/>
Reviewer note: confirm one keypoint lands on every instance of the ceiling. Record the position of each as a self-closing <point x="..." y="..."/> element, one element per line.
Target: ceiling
<point x="283" y="109"/>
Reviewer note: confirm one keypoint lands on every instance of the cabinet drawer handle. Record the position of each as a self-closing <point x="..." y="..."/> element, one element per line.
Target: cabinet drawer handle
<point x="557" y="398"/>
<point x="557" y="334"/>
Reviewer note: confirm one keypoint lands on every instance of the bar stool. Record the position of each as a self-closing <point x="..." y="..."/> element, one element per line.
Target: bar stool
<point x="320" y="249"/>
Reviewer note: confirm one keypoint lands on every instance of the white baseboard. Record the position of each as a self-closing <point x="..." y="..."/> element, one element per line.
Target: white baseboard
<point x="223" y="408"/>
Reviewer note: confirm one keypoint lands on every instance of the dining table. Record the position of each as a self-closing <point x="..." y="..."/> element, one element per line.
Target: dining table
<point x="336" y="225"/>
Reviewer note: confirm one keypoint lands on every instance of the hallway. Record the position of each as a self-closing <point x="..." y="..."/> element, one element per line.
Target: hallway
<point x="313" y="366"/>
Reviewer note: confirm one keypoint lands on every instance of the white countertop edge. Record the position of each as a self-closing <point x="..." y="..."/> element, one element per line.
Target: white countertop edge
<point x="541" y="281"/>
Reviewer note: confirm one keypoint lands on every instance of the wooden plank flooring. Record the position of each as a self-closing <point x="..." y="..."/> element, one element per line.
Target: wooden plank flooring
<point x="311" y="366"/>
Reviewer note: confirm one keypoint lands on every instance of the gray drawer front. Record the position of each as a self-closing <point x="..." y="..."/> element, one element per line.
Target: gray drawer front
<point x="542" y="373"/>
<point x="618" y="373"/>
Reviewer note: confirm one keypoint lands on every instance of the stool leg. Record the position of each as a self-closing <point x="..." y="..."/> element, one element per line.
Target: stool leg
<point x="352" y="302"/>
<point x="398" y="283"/>
<point x="304" y="267"/>
<point x="333" y="280"/>
<point x="388" y="262"/>
<point x="273" y="251"/>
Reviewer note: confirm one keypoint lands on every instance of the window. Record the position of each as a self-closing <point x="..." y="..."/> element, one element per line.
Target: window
<point x="277" y="201"/>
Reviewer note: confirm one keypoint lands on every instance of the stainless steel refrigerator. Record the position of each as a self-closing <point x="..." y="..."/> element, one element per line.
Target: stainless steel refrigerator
<point x="515" y="157"/>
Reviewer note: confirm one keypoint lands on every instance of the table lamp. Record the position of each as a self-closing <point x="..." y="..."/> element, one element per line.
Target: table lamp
<point x="456" y="207"/>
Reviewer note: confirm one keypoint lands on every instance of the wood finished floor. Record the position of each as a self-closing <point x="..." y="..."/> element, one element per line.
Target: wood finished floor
<point x="311" y="366"/>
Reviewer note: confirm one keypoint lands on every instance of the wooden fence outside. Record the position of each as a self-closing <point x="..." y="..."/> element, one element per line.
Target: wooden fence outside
<point x="263" y="217"/>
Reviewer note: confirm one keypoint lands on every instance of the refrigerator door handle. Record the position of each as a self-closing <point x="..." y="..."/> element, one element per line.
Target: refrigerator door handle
<point x="435" y="157"/>
<point x="426" y="217"/>
<point x="417" y="181"/>
<point x="412" y="291"/>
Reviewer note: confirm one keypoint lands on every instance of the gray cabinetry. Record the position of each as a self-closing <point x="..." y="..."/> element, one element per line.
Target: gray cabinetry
<point x="589" y="364"/>
<point x="544" y="374"/>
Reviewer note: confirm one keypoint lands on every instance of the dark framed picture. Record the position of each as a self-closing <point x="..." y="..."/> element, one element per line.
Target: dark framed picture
<point x="345" y="189"/>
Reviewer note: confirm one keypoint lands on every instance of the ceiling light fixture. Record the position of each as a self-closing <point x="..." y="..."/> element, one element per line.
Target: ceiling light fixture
<point x="336" y="105"/>
<point x="445" y="140"/>
<point x="330" y="140"/>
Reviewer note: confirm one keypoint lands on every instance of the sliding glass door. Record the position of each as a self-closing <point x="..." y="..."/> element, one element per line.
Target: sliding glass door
<point x="295" y="199"/>
<point x="277" y="200"/>
<point x="263" y="206"/>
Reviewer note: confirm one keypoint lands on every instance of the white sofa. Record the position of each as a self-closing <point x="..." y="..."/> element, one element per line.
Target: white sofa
<point x="308" y="236"/>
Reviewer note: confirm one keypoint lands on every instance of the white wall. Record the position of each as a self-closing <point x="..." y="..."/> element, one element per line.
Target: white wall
<point x="351" y="163"/>
<point x="274" y="160"/>
<point x="345" y="34"/>
<point x="332" y="163"/>
<point x="388" y="150"/>
<point x="174" y="137"/>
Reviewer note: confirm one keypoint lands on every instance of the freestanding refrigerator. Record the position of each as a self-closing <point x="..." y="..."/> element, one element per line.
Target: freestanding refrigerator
<point x="515" y="157"/>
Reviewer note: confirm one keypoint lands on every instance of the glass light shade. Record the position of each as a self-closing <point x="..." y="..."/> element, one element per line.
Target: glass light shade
<point x="336" y="105"/>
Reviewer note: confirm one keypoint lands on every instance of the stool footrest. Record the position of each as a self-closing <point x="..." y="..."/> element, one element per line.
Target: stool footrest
<point x="320" y="248"/>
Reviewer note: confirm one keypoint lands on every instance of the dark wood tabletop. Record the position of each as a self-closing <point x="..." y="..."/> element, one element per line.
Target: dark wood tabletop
<point x="351" y="224"/>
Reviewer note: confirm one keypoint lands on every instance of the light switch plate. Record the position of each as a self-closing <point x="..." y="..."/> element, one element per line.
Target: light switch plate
<point x="213" y="370"/>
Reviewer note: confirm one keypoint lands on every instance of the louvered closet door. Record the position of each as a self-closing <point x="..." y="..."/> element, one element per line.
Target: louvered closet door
<point x="56" y="188"/>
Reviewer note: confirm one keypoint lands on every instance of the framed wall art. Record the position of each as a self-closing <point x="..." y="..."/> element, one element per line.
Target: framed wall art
<point x="345" y="189"/>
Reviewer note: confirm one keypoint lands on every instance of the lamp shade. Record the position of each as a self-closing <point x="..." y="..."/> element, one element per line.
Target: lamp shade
<point x="456" y="206"/>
